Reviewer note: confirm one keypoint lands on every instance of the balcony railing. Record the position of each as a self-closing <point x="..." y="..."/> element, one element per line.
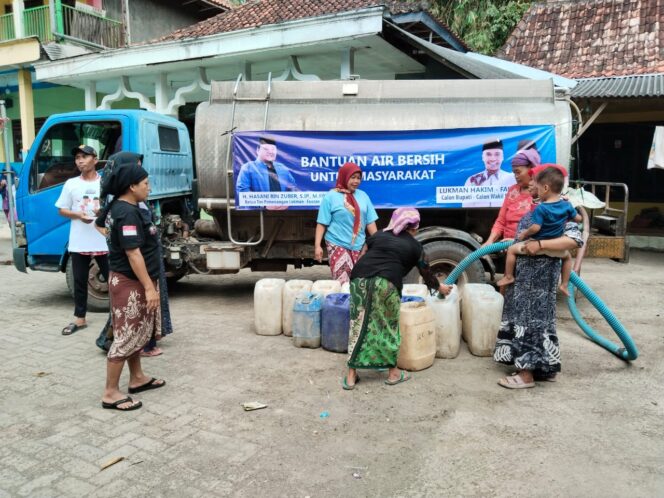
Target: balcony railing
<point x="78" y="25"/>
<point x="37" y="22"/>
<point x="7" y="27"/>
<point x="91" y="28"/>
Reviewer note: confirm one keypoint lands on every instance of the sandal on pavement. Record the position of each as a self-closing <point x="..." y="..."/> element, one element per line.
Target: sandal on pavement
<point x="152" y="352"/>
<point x="515" y="381"/>
<point x="545" y="378"/>
<point x="116" y="405"/>
<point x="151" y="384"/>
<point x="346" y="386"/>
<point x="403" y="378"/>
<point x="71" y="328"/>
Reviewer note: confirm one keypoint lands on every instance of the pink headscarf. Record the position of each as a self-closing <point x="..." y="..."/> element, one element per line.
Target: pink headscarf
<point x="403" y="218"/>
<point x="526" y="157"/>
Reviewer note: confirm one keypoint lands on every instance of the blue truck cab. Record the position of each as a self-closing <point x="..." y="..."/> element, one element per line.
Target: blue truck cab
<point x="42" y="234"/>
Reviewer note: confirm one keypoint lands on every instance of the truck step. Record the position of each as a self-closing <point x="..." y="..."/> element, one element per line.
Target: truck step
<point x="45" y="267"/>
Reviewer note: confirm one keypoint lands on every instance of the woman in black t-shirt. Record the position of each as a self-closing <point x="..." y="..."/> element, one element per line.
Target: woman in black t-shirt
<point x="375" y="291"/>
<point x="132" y="284"/>
<point x="106" y="335"/>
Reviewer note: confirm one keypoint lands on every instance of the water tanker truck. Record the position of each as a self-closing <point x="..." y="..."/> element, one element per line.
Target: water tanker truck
<point x="419" y="143"/>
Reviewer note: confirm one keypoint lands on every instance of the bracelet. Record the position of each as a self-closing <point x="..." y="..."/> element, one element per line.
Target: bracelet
<point x="540" y="244"/>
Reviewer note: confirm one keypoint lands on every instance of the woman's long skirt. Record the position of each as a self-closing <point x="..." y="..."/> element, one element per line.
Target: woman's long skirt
<point x="105" y="338"/>
<point x="133" y="324"/>
<point x="374" y="337"/>
<point x="341" y="262"/>
<point x="527" y="336"/>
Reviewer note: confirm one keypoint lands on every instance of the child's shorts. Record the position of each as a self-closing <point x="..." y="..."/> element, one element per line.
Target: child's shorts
<point x="520" y="248"/>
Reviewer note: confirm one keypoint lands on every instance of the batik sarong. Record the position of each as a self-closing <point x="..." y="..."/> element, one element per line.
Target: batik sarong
<point x="527" y="335"/>
<point x="341" y="262"/>
<point x="133" y="324"/>
<point x="374" y="338"/>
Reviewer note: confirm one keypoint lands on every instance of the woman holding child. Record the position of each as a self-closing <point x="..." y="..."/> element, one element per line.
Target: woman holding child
<point x="518" y="200"/>
<point x="527" y="336"/>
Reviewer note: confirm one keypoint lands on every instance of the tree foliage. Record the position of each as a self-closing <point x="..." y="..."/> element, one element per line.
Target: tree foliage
<point x="483" y="24"/>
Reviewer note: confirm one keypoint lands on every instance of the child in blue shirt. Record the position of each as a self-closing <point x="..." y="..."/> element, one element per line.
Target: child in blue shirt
<point x="548" y="222"/>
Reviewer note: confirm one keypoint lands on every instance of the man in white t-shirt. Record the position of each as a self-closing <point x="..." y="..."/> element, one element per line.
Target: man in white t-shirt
<point x="79" y="201"/>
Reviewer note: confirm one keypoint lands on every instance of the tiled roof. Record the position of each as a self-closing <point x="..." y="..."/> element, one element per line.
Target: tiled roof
<point x="255" y="13"/>
<point x="646" y="85"/>
<point x="590" y="38"/>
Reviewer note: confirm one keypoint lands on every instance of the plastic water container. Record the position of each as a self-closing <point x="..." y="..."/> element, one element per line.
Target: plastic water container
<point x="412" y="299"/>
<point x="466" y="291"/>
<point x="306" y="320"/>
<point x="335" y="322"/>
<point x="325" y="287"/>
<point x="420" y="290"/>
<point x="345" y="288"/>
<point x="447" y="314"/>
<point x="267" y="306"/>
<point x="481" y="320"/>
<point x="418" y="336"/>
<point x="291" y="290"/>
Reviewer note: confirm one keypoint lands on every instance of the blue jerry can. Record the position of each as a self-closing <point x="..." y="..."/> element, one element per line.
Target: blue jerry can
<point x="335" y="322"/>
<point x="306" y="320"/>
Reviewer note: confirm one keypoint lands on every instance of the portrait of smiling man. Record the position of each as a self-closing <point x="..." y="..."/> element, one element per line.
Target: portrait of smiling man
<point x="265" y="174"/>
<point x="492" y="175"/>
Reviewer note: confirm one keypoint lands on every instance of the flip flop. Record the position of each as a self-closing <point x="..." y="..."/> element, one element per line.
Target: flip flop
<point x="515" y="381"/>
<point x="404" y="377"/>
<point x="545" y="378"/>
<point x="115" y="405"/>
<point x="348" y="387"/>
<point x="71" y="328"/>
<point x="152" y="352"/>
<point x="147" y="386"/>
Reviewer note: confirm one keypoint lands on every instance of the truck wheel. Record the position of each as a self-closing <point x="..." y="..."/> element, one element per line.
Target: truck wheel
<point x="97" y="288"/>
<point x="174" y="278"/>
<point x="444" y="256"/>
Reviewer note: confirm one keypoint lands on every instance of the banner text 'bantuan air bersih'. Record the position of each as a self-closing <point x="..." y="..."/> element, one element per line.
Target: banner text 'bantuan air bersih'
<point x="455" y="168"/>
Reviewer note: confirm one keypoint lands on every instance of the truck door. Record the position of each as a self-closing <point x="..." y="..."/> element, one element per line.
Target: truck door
<point x="50" y="165"/>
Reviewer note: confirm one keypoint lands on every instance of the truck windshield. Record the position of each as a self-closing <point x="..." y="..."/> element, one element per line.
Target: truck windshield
<point x="54" y="164"/>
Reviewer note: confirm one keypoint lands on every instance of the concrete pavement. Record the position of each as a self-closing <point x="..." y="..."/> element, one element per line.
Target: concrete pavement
<point x="449" y="431"/>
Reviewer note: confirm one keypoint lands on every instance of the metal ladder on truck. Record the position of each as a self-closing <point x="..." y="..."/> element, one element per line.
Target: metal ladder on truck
<point x="228" y="173"/>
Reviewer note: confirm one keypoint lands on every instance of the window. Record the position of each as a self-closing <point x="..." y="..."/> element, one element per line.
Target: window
<point x="169" y="139"/>
<point x="31" y="4"/>
<point x="54" y="163"/>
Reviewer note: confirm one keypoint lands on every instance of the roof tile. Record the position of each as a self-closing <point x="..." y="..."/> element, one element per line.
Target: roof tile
<point x="649" y="85"/>
<point x="256" y="13"/>
<point x="585" y="38"/>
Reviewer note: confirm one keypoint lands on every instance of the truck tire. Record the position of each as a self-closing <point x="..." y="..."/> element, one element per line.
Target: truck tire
<point x="444" y="256"/>
<point x="172" y="280"/>
<point x="97" y="288"/>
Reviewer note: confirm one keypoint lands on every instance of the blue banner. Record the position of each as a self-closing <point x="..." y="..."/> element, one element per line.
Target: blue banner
<point x="424" y="168"/>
